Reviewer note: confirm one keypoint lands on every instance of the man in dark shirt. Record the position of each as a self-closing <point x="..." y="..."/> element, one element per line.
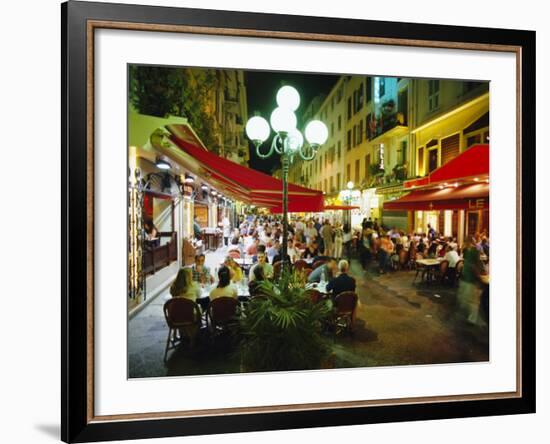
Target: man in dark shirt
<point x="344" y="282"/>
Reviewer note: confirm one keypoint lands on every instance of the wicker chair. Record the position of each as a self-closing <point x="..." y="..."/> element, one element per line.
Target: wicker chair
<point x="183" y="318"/>
<point x="345" y="305"/>
<point x="222" y="314"/>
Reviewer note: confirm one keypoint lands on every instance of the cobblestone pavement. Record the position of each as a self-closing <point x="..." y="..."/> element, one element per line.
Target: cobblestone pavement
<point x="398" y="323"/>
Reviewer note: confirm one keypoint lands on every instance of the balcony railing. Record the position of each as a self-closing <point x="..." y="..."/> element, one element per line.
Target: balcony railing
<point x="384" y="123"/>
<point x="156" y="256"/>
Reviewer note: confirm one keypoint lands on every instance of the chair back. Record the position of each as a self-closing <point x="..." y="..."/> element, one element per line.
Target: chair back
<point x="443" y="267"/>
<point x="403" y="257"/>
<point x="318" y="263"/>
<point x="315" y="296"/>
<point x="235" y="254"/>
<point x="180" y="311"/>
<point x="345" y="302"/>
<point x="223" y="310"/>
<point x="300" y="264"/>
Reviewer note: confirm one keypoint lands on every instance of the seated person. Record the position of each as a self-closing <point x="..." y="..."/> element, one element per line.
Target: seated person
<point x="452" y="256"/>
<point x="292" y="251"/>
<point x="253" y="285"/>
<point x="234" y="268"/>
<point x="252" y="249"/>
<point x="225" y="287"/>
<point x="328" y="270"/>
<point x="261" y="249"/>
<point x="262" y="263"/>
<point x="201" y="273"/>
<point x="184" y="286"/>
<point x="273" y="250"/>
<point x="343" y="282"/>
<point x="312" y="250"/>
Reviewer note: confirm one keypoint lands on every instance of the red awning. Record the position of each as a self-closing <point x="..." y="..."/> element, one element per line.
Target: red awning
<point x="340" y="207"/>
<point x="465" y="197"/>
<point x="472" y="163"/>
<point x="248" y="185"/>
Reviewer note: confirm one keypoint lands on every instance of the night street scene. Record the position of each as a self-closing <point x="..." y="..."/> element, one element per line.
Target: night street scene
<point x="283" y="221"/>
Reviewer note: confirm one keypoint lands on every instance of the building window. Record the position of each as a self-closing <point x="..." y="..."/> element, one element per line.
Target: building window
<point x="339" y="122"/>
<point x="339" y="150"/>
<point x="348" y="172"/>
<point x="433" y="95"/>
<point x="367" y="165"/>
<point x="357" y="173"/>
<point x="403" y="153"/>
<point x="360" y="135"/>
<point x="349" y="140"/>
<point x="420" y="162"/>
<point x="354" y="135"/>
<point x="332" y="129"/>
<point x="359" y="98"/>
<point x="338" y="181"/>
<point x="326" y="185"/>
<point x="369" y="124"/>
<point x="349" y="108"/>
<point x="331" y="184"/>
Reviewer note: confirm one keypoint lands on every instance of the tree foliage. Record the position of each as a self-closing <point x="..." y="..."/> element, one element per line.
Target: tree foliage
<point x="162" y="91"/>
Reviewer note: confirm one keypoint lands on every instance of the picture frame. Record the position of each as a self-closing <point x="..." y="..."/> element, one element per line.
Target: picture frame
<point x="80" y="20"/>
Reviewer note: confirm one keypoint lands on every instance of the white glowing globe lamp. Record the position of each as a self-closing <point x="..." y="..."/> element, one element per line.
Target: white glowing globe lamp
<point x="288" y="97"/>
<point x="283" y="120"/>
<point x="350" y="185"/>
<point x="316" y="133"/>
<point x="295" y="140"/>
<point x="257" y="129"/>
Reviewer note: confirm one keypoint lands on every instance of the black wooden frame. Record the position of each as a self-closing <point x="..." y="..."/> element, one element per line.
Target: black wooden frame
<point x="75" y="423"/>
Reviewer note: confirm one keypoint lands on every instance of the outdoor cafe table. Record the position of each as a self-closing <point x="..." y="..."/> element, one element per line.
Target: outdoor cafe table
<point x="431" y="265"/>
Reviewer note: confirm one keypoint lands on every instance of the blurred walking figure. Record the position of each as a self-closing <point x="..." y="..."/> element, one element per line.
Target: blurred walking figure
<point x="469" y="290"/>
<point x="338" y="241"/>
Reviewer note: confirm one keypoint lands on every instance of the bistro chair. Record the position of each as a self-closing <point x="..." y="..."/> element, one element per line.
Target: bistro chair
<point x="403" y="259"/>
<point x="345" y="305"/>
<point x="235" y="254"/>
<point x="183" y="318"/>
<point x="318" y="263"/>
<point x="443" y="270"/>
<point x="315" y="295"/>
<point x="222" y="313"/>
<point x="300" y="264"/>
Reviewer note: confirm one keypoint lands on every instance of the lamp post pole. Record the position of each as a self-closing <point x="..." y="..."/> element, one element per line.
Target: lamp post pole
<point x="287" y="142"/>
<point x="285" y="166"/>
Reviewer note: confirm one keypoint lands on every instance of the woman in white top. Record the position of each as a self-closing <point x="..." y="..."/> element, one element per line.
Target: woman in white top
<point x="184" y="286"/>
<point x="225" y="287"/>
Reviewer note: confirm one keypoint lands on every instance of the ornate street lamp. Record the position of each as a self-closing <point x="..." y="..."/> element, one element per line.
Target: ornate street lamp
<point x="287" y="142"/>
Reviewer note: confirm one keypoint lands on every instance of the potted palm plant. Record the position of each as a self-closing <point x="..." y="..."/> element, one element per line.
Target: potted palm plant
<point x="282" y="329"/>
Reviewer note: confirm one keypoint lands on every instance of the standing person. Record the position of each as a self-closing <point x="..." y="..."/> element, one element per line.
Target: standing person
<point x="338" y="241"/>
<point x="226" y="224"/>
<point x="310" y="232"/>
<point x="224" y="288"/>
<point x="197" y="230"/>
<point x="347" y="239"/>
<point x="469" y="290"/>
<point x="431" y="233"/>
<point x="326" y="234"/>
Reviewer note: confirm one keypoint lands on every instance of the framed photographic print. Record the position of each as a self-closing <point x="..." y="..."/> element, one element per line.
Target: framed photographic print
<point x="276" y="221"/>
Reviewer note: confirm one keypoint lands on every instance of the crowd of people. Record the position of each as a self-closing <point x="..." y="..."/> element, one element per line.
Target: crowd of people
<point x="332" y="244"/>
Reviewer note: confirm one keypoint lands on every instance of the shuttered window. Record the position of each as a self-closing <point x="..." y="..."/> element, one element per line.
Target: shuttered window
<point x="449" y="148"/>
<point x="420" y="161"/>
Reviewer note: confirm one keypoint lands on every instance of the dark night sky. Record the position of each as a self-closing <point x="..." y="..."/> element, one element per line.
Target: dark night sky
<point x="261" y="89"/>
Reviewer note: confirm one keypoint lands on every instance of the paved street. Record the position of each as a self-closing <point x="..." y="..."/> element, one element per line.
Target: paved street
<point x="398" y="323"/>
